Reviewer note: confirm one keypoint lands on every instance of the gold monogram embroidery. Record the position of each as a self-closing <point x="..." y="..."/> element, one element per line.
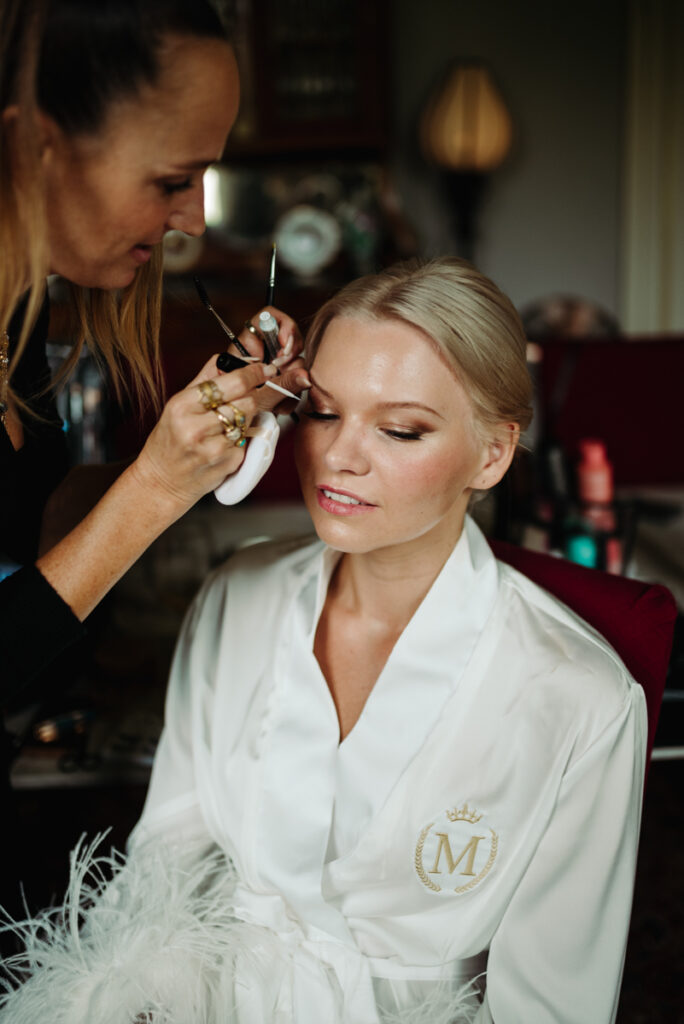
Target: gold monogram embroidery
<point x="452" y="844"/>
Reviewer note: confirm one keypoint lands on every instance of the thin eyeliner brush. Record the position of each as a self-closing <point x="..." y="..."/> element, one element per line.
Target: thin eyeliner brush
<point x="202" y="292"/>
<point x="227" y="362"/>
<point x="271" y="278"/>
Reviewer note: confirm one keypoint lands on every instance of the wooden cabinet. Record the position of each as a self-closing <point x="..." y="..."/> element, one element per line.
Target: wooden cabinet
<point x="314" y="77"/>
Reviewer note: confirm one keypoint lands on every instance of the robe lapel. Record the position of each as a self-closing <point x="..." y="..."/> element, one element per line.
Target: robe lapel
<point x="298" y="773"/>
<point x="423" y="671"/>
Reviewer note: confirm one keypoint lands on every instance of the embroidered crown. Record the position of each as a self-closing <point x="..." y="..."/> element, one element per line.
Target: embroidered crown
<point x="463" y="814"/>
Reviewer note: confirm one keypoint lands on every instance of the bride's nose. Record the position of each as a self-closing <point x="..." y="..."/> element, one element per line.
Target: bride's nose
<point x="345" y="452"/>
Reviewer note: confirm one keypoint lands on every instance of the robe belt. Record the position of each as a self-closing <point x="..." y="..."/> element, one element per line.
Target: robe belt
<point x="309" y="956"/>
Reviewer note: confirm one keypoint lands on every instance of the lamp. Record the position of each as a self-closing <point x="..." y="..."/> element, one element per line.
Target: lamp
<point x="466" y="130"/>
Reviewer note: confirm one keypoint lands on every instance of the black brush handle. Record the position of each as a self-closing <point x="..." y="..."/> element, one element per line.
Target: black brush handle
<point x="227" y="362"/>
<point x="202" y="292"/>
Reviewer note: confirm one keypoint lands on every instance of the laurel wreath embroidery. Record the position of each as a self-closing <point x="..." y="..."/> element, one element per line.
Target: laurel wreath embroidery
<point x="459" y="890"/>
<point x="419" y="861"/>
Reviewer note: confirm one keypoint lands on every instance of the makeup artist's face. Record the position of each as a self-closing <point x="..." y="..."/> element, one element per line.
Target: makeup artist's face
<point x="112" y="196"/>
<point x="387" y="452"/>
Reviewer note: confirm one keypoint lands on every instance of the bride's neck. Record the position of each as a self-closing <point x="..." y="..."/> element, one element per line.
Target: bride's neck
<point x="389" y="584"/>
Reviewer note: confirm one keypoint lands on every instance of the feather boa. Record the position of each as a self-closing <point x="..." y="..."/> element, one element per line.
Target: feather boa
<point x="153" y="939"/>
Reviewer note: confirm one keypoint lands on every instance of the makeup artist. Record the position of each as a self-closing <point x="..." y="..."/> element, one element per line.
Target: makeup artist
<point x="110" y="114"/>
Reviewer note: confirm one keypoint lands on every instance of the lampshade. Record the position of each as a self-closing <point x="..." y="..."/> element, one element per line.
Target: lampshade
<point x="466" y="126"/>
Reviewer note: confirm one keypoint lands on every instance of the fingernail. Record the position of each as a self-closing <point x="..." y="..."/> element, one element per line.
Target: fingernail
<point x="280" y="360"/>
<point x="290" y="345"/>
<point x="270" y="370"/>
<point x="303" y="381"/>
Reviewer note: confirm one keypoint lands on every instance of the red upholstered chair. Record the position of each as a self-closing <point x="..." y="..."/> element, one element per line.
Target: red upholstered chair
<point x="637" y="619"/>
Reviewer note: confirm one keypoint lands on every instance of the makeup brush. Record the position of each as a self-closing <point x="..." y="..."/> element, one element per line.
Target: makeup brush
<point x="271" y="278"/>
<point x="228" y="362"/>
<point x="202" y="292"/>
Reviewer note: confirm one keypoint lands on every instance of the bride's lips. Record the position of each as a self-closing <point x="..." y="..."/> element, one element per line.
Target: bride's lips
<point x="341" y="502"/>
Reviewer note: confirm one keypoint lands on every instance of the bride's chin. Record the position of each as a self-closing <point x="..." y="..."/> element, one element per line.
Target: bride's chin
<point x="349" y="543"/>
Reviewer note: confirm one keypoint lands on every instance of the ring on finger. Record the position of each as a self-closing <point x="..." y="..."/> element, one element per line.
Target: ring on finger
<point x="228" y="424"/>
<point x="234" y="436"/>
<point x="239" y="416"/>
<point x="233" y="430"/>
<point x="210" y="395"/>
<point x="238" y="419"/>
<point x="249" y="326"/>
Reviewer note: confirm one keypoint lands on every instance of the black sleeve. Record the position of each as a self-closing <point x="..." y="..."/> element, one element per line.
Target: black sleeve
<point x="30" y="474"/>
<point x="36" y="626"/>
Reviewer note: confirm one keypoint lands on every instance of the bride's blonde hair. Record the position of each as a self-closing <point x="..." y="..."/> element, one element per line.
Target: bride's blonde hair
<point x="471" y="322"/>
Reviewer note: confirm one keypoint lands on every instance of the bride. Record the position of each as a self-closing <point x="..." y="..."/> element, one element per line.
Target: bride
<point x="398" y="781"/>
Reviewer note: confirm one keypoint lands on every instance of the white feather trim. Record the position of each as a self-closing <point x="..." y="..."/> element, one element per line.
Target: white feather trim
<point x="148" y="942"/>
<point x="155" y="940"/>
<point x="429" y="1003"/>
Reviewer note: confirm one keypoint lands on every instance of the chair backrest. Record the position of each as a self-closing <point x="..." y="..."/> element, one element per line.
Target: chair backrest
<point x="637" y="619"/>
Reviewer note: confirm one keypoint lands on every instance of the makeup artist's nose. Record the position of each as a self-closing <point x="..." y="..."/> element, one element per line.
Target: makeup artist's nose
<point x="188" y="216"/>
<point x="345" y="451"/>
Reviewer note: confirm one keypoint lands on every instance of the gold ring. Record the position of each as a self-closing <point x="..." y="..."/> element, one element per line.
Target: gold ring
<point x="239" y="417"/>
<point x="249" y="326"/>
<point x="210" y="395"/>
<point x="238" y="414"/>
<point x="228" y="424"/>
<point x="234" y="430"/>
<point x="233" y="435"/>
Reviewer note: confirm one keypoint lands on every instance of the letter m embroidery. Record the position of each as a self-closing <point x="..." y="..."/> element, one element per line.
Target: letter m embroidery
<point x="470" y="849"/>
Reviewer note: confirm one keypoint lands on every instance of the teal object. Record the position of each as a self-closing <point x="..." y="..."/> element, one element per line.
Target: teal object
<point x="583" y="550"/>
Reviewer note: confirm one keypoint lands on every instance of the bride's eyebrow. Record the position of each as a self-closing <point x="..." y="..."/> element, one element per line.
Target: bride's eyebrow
<point x="385" y="405"/>
<point x="318" y="387"/>
<point x="410" y="405"/>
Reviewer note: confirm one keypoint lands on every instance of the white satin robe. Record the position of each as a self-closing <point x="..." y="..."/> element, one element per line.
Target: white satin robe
<point x="482" y="814"/>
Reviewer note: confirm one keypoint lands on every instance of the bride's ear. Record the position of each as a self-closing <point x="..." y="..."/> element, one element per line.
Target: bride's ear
<point x="497" y="456"/>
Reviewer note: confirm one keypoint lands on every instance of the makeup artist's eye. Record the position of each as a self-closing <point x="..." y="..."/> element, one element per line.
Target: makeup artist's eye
<point x="170" y="188"/>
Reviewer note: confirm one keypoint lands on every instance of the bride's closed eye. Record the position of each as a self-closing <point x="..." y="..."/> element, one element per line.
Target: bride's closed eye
<point x="314" y="414"/>
<point x="404" y="435"/>
<point x="395" y="433"/>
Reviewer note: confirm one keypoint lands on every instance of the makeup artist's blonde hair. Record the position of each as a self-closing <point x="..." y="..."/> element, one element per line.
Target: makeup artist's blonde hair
<point x="72" y="60"/>
<point x="473" y="324"/>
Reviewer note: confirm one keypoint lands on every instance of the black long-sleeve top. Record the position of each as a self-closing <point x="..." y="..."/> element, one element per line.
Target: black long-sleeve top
<point x="36" y="625"/>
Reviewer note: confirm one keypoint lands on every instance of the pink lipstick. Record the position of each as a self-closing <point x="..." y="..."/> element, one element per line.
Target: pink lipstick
<point x="341" y="502"/>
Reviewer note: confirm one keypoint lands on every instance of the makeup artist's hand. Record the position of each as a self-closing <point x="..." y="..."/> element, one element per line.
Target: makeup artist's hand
<point x="293" y="376"/>
<point x="187" y="454"/>
<point x="289" y="337"/>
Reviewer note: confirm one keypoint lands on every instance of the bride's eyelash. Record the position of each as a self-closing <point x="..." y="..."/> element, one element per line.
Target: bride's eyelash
<point x="314" y="415"/>
<point x="398" y="435"/>
<point x="405" y="435"/>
